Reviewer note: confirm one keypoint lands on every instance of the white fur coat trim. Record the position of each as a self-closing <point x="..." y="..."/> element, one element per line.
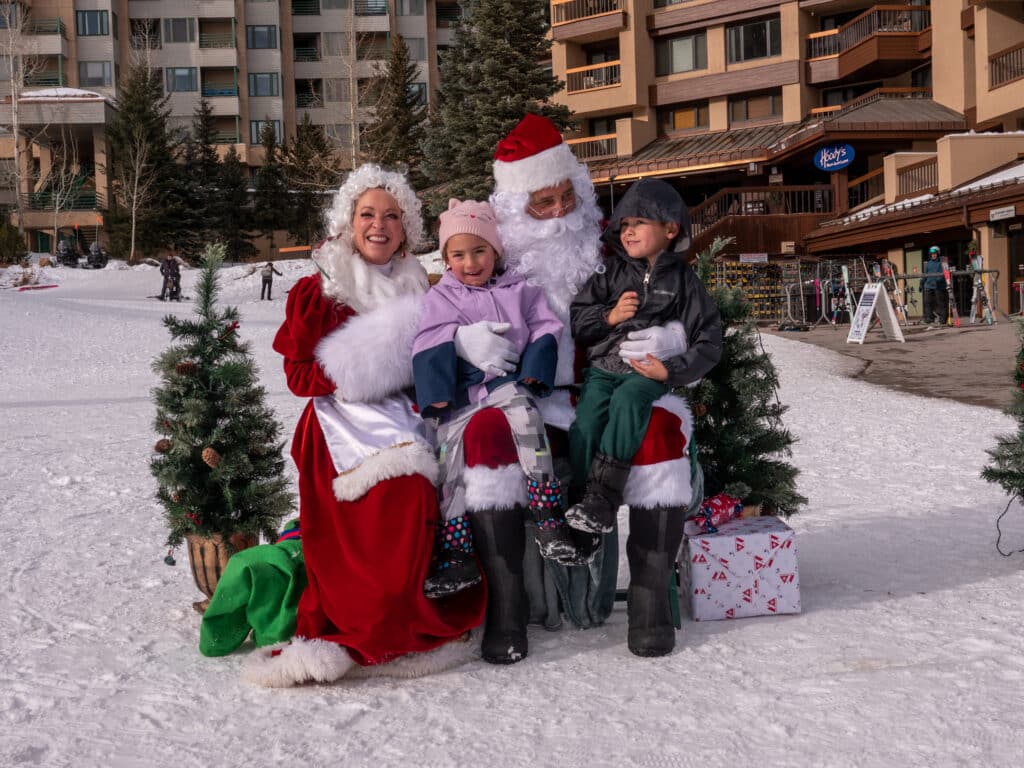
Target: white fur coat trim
<point x="678" y="406"/>
<point x="498" y="488"/>
<point x="362" y="286"/>
<point x="448" y="656"/>
<point x="664" y="484"/>
<point x="300" y="661"/>
<point x="407" y="459"/>
<point x="370" y="356"/>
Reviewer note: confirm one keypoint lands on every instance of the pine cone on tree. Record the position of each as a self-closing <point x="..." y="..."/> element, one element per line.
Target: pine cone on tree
<point x="163" y="445"/>
<point x="211" y="457"/>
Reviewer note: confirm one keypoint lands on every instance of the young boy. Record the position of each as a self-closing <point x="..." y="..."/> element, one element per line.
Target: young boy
<point x="647" y="282"/>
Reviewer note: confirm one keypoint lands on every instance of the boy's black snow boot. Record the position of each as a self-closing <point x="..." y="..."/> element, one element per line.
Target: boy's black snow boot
<point x="455" y="567"/>
<point x="602" y="497"/>
<point x="653" y="543"/>
<point x="554" y="536"/>
<point x="500" y="538"/>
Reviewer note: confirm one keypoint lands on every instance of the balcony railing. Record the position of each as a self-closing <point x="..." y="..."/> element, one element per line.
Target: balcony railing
<point x="307" y="54"/>
<point x="880" y="19"/>
<point x="226" y="137"/>
<point x="219" y="89"/>
<point x="867" y="187"/>
<point x="448" y="15"/>
<point x="46" y="27"/>
<point x="371" y="7"/>
<point x="593" y="77"/>
<point x="45" y="79"/>
<point x="760" y="201"/>
<point x="594" y="147"/>
<point x="82" y="200"/>
<point x="308" y="101"/>
<point x="1006" y="66"/>
<point x="305" y="7"/>
<point x="919" y="178"/>
<point x="141" y="42"/>
<point x="564" y="11"/>
<point x="216" y="40"/>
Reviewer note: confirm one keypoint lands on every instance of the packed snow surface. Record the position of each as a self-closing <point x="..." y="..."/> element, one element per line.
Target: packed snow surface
<point x="909" y="652"/>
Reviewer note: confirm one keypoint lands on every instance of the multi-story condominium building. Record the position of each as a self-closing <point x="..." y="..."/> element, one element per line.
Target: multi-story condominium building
<point x="253" y="60"/>
<point x="818" y="128"/>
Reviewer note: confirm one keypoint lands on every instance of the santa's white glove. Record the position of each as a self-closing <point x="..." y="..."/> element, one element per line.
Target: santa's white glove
<point x="482" y="345"/>
<point x="662" y="341"/>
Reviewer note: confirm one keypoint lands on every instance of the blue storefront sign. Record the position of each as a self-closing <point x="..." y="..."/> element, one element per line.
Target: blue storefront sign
<point x="833" y="158"/>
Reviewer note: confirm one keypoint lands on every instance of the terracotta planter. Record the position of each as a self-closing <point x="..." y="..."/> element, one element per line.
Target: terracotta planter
<point x="208" y="556"/>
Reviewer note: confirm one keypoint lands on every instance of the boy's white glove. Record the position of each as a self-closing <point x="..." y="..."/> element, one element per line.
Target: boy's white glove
<point x="482" y="346"/>
<point x="662" y="341"/>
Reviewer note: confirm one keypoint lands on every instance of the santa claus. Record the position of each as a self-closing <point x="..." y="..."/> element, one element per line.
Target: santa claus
<point x="549" y="223"/>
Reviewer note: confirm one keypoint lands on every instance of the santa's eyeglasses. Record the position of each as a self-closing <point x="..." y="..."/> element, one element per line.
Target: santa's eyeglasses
<point x="550" y="205"/>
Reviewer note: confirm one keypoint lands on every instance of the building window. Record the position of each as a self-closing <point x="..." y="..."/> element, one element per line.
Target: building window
<point x="92" y="23"/>
<point x="335" y="44"/>
<point x="601" y="126"/>
<point x="756" y="40"/>
<point x="410" y="7"/>
<point x="334" y="4"/>
<point x="759" y="107"/>
<point x="261" y="36"/>
<point x="417" y="48"/>
<point x="263" y="84"/>
<point x="336" y="89"/>
<point x="921" y="77"/>
<point x="180" y="79"/>
<point x="113" y="18"/>
<point x="680" y="54"/>
<point x="417" y="94"/>
<point x="92" y="74"/>
<point x="179" y="30"/>
<point x="256" y="128"/>
<point x="836" y="97"/>
<point x="684" y="117"/>
<point x="340" y="133"/>
<point x="372" y="47"/>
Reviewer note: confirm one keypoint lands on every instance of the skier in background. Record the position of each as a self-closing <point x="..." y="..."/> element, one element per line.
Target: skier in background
<point x="171" y="289"/>
<point x="933" y="290"/>
<point x="267" y="273"/>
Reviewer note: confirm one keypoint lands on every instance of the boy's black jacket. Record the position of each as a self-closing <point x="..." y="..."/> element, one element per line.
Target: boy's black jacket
<point x="672" y="292"/>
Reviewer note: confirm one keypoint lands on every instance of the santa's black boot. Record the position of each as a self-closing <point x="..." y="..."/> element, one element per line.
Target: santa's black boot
<point x="554" y="536"/>
<point x="602" y="497"/>
<point x="653" y="543"/>
<point x="500" y="537"/>
<point x="455" y="567"/>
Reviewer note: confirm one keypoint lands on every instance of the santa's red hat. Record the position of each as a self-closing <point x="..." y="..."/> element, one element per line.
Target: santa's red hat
<point x="532" y="156"/>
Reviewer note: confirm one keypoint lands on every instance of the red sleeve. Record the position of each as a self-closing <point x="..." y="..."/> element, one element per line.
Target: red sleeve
<point x="309" y="316"/>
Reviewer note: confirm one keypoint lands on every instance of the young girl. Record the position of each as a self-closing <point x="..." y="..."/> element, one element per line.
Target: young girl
<point x="472" y="289"/>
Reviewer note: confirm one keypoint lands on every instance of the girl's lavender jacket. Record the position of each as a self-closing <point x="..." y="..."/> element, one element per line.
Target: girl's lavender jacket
<point x="441" y="376"/>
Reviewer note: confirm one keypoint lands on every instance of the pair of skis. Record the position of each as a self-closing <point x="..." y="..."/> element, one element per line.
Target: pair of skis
<point x="979" y="296"/>
<point x="950" y="295"/>
<point x="897" y="292"/>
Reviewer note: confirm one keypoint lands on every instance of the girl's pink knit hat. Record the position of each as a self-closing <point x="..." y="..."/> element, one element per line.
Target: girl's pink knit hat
<point x="469" y="217"/>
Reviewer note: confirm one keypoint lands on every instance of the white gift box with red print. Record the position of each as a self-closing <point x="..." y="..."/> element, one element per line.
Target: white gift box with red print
<point x="747" y="568"/>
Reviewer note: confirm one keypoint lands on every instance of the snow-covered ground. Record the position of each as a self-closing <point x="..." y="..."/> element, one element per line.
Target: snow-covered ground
<point x="909" y="652"/>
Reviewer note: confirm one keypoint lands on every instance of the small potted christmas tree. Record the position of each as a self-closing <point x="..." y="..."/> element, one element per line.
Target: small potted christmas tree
<point x="218" y="463"/>
<point x="1007" y="466"/>
<point x="741" y="443"/>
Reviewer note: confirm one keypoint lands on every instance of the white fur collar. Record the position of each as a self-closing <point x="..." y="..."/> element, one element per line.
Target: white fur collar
<point x="351" y="280"/>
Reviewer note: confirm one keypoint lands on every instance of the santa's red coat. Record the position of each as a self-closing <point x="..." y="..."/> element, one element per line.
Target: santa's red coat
<point x="366" y="559"/>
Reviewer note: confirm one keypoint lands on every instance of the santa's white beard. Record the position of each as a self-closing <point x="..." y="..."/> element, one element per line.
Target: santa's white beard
<point x="555" y="254"/>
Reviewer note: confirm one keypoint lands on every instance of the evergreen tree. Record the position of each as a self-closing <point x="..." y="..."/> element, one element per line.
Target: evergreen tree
<point x="394" y="135"/>
<point x="232" y="210"/>
<point x="195" y="193"/>
<point x="142" y="167"/>
<point x="1007" y="466"/>
<point x="270" y="203"/>
<point x="491" y="76"/>
<point x="312" y="169"/>
<point x="219" y="465"/>
<point x="741" y="443"/>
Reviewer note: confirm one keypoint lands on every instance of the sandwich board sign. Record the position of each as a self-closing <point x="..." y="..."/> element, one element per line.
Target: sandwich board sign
<point x="874" y="298"/>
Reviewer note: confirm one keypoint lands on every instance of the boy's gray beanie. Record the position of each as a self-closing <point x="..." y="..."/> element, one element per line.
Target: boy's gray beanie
<point x="651" y="199"/>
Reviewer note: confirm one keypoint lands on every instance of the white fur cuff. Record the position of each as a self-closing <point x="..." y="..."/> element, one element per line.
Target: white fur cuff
<point x="407" y="459"/>
<point x="370" y="356"/>
<point x="664" y="484"/>
<point x="299" y="661"/>
<point x="498" y="488"/>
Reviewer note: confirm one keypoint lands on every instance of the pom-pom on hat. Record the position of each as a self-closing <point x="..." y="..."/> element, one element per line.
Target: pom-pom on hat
<point x="469" y="217"/>
<point x="532" y="156"/>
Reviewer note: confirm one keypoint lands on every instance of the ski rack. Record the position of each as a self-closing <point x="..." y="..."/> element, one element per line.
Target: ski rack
<point x="963" y="273"/>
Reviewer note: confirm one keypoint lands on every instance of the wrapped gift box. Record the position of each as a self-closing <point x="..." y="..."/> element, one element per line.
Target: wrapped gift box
<point x="747" y="568"/>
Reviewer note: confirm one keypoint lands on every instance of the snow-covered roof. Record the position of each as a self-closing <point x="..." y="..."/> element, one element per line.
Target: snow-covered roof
<point x="61" y="94"/>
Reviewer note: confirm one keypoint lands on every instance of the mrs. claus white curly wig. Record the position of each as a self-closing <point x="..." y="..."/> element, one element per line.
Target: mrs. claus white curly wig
<point x="339" y="215"/>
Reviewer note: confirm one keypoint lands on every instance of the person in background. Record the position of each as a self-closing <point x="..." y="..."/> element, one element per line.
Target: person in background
<point x="171" y="289"/>
<point x="933" y="290"/>
<point x="267" y="275"/>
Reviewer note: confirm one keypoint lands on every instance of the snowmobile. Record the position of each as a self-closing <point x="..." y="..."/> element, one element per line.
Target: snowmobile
<point x="97" y="258"/>
<point x="65" y="256"/>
